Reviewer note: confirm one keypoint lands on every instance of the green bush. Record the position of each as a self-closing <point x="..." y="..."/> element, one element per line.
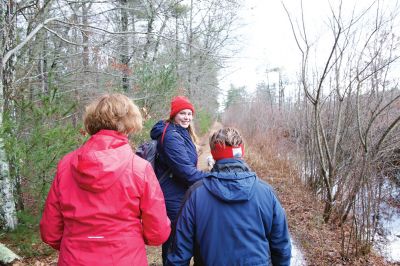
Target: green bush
<point x="36" y="136"/>
<point x="35" y="142"/>
<point x="203" y="121"/>
<point x="143" y="135"/>
<point x="25" y="240"/>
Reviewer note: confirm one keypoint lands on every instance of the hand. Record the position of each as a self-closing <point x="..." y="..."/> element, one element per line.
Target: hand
<point x="210" y="162"/>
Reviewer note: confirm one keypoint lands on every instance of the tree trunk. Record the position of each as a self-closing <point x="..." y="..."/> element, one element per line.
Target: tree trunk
<point x="43" y="69"/>
<point x="177" y="47"/>
<point x="149" y="31"/>
<point x="190" y="43"/>
<point x="8" y="211"/>
<point x="124" y="46"/>
<point x="160" y="33"/>
<point x="7" y="74"/>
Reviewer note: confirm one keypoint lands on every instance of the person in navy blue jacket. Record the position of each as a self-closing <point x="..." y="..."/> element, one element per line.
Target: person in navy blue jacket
<point x="231" y="217"/>
<point x="176" y="164"/>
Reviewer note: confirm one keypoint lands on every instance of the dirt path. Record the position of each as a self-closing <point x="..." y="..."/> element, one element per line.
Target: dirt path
<point x="205" y="147"/>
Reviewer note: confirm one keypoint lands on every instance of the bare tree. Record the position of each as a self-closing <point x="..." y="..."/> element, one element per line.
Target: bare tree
<point x="78" y="49"/>
<point x="350" y="93"/>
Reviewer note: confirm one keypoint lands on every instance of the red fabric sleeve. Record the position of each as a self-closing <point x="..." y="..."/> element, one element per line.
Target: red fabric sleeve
<point x="156" y="224"/>
<point x="51" y="224"/>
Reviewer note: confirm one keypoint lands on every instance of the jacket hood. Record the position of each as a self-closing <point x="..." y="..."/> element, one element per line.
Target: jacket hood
<point x="101" y="160"/>
<point x="157" y="129"/>
<point x="231" y="186"/>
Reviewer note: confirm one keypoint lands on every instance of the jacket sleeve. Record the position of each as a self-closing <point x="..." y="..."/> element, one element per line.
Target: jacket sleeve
<point x="156" y="224"/>
<point x="52" y="224"/>
<point x="279" y="239"/>
<point x="181" y="250"/>
<point x="178" y="160"/>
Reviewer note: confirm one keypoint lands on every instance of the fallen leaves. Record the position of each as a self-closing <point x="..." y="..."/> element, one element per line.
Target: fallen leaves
<point x="320" y="242"/>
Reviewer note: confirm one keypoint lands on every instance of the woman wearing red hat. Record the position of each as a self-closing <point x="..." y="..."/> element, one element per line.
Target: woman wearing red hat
<point x="176" y="165"/>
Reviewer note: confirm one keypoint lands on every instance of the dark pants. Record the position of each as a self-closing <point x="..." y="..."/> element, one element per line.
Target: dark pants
<point x="174" y="197"/>
<point x="172" y="215"/>
<point x="165" y="248"/>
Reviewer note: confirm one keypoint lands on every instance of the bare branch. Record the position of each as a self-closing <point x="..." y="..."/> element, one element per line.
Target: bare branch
<point x="392" y="126"/>
<point x="63" y="39"/>
<point x="25" y="41"/>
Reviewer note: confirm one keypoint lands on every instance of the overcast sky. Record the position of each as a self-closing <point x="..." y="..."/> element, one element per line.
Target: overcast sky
<point x="267" y="41"/>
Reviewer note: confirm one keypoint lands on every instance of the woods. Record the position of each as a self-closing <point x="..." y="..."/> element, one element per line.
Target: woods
<point x="58" y="55"/>
<point x="351" y="115"/>
<point x="337" y="122"/>
<point x="341" y="123"/>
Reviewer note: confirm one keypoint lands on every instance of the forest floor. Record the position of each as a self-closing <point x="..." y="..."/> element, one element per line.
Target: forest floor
<point x="319" y="242"/>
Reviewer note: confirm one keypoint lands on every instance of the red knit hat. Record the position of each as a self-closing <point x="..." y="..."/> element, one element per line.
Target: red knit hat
<point x="178" y="104"/>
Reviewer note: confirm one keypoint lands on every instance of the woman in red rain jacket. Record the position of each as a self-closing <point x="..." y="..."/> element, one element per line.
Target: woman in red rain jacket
<point x="105" y="202"/>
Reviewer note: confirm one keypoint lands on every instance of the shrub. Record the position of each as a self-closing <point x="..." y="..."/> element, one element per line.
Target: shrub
<point x="203" y="121"/>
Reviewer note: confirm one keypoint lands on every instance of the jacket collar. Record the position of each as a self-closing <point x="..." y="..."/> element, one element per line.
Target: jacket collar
<point x="230" y="165"/>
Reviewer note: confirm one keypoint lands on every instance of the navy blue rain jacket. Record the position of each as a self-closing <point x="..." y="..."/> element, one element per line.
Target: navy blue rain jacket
<point x="178" y="159"/>
<point x="231" y="217"/>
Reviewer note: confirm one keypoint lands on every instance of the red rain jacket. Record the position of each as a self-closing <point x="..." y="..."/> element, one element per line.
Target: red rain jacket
<point x="104" y="205"/>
